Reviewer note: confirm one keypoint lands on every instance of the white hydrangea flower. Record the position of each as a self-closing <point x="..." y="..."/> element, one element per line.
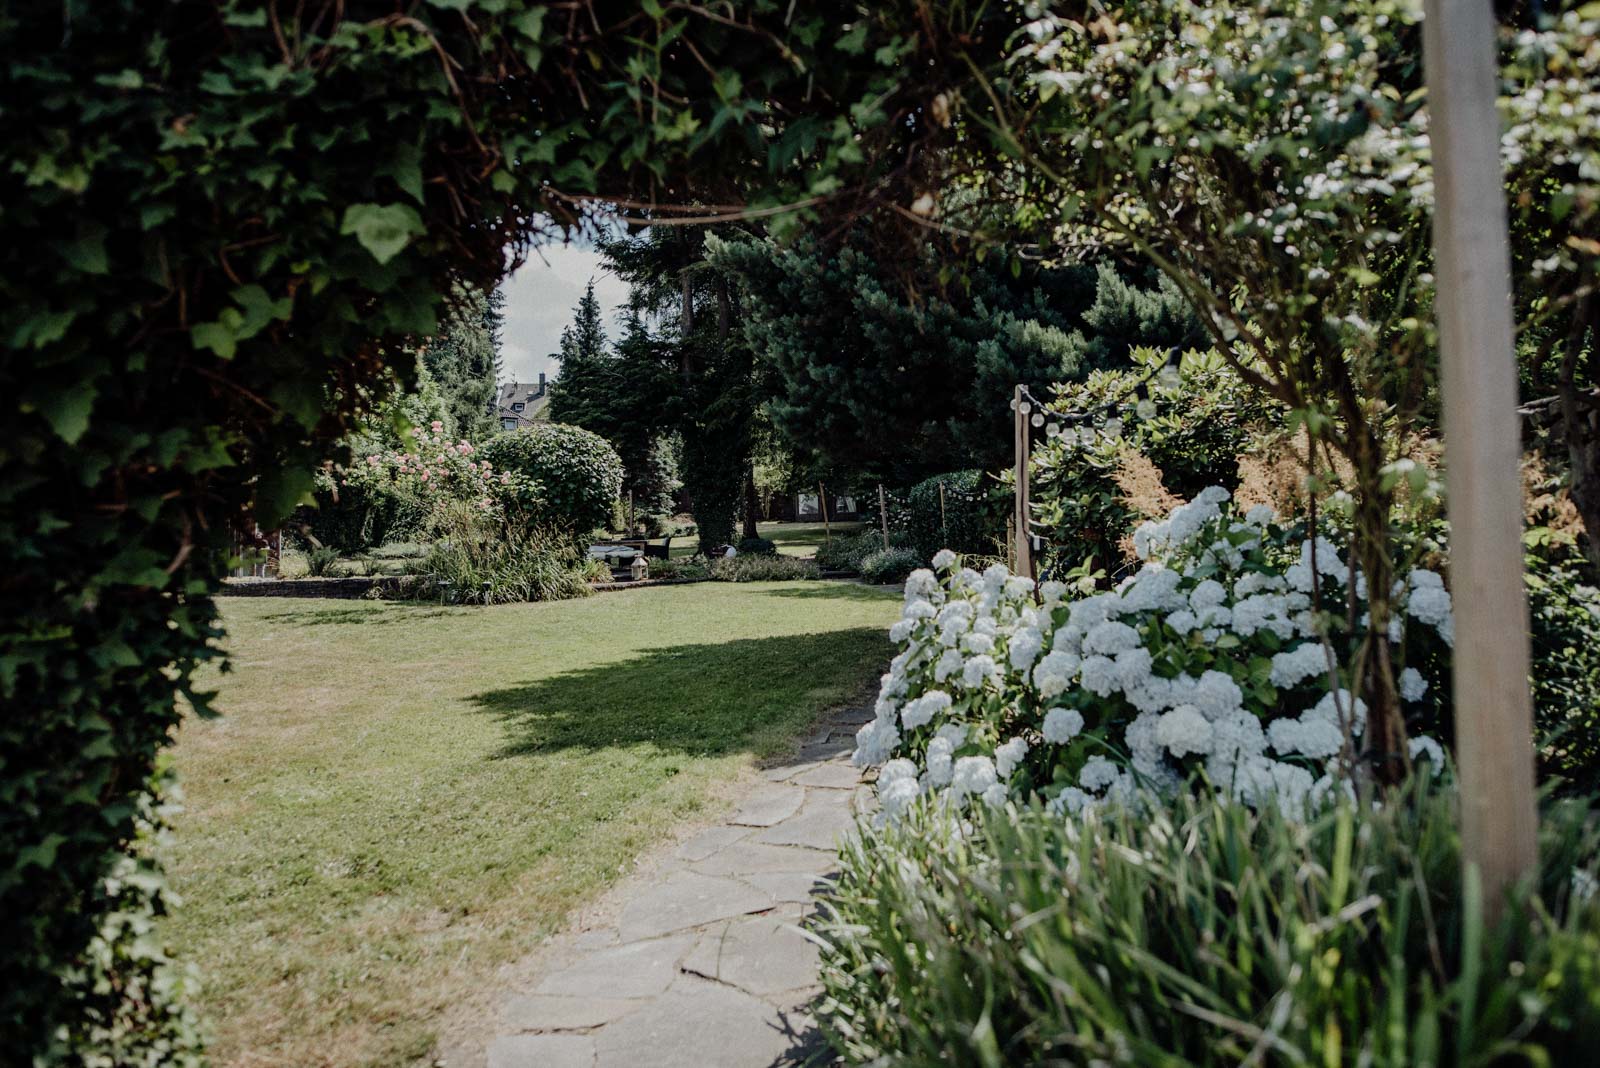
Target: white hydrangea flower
<point x="920" y="712"/>
<point x="1184" y="731"/>
<point x="1009" y="755"/>
<point x="1215" y="694"/>
<point x="1053" y="674"/>
<point x="1304" y="661"/>
<point x="1183" y="621"/>
<point x="1051" y="592"/>
<point x="895" y="797"/>
<point x="978" y="643"/>
<point x="1258" y="582"/>
<point x="919" y="610"/>
<point x="898" y="768"/>
<point x="1315" y="738"/>
<point x="1429" y="604"/>
<point x="1024" y="647"/>
<point x="994" y="796"/>
<point x="978" y="670"/>
<point x="1209" y="593"/>
<point x="940" y="763"/>
<point x="921" y="584"/>
<point x="1071" y="801"/>
<point x="1061" y="725"/>
<point x="943" y="559"/>
<point x="1018" y="587"/>
<point x="902" y="630"/>
<point x="1098" y="773"/>
<point x="1328" y="710"/>
<point x="949" y="664"/>
<point x="1098" y="675"/>
<point x="1421" y="746"/>
<point x="875" y="742"/>
<point x="1260" y="515"/>
<point x="1110" y="638"/>
<point x="1412" y="685"/>
<point x="972" y="775"/>
<point x="1133" y="669"/>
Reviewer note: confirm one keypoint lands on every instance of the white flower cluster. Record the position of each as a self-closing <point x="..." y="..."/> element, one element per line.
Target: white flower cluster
<point x="1211" y="657"/>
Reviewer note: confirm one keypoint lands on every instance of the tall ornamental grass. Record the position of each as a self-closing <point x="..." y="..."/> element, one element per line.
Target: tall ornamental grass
<point x="1207" y="933"/>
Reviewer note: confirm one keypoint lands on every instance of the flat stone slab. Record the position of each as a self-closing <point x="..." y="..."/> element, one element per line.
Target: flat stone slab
<point x="750" y="858"/>
<point x="762" y="956"/>
<point x="788" y="887"/>
<point x="832" y="776"/>
<point x="633" y="970"/>
<point x="701" y="1024"/>
<point x="688" y="899"/>
<point x="542" y="1051"/>
<point x="767" y="805"/>
<point x="817" y="826"/>
<point x="558" y="1012"/>
<point x="709" y="841"/>
<point x="788" y="770"/>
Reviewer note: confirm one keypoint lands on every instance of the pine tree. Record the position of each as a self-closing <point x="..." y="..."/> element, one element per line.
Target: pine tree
<point x="464" y="362"/>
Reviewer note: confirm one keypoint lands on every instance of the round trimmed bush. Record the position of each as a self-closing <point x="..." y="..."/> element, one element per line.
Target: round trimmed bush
<point x="889" y="565"/>
<point x="577" y="475"/>
<point x="758" y="547"/>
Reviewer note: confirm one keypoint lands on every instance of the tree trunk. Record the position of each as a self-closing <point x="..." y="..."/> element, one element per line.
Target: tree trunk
<point x="752" y="506"/>
<point x="1580" y="427"/>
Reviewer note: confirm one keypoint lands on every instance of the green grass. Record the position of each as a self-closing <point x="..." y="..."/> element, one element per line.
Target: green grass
<point x="399" y="798"/>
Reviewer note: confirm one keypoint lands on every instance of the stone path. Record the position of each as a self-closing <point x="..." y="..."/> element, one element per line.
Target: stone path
<point x="699" y="961"/>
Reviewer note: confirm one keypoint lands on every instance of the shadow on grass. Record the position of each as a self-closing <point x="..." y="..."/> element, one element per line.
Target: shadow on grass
<point x="830" y="590"/>
<point x="702" y="700"/>
<point x="366" y="617"/>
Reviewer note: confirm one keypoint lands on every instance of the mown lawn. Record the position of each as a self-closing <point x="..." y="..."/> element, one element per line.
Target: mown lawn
<point x="792" y="539"/>
<point x="400" y="798"/>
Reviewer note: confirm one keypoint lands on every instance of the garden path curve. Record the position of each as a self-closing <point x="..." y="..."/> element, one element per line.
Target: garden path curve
<point x="699" y="962"/>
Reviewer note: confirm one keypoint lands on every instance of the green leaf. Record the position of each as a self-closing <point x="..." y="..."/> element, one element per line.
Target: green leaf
<point x="383" y="229"/>
<point x="855" y="41"/>
<point x="66" y="410"/>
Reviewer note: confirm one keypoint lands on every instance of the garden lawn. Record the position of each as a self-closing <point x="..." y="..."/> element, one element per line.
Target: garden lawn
<point x="400" y="798"/>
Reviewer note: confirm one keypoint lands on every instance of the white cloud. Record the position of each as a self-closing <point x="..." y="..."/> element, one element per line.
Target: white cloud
<point x="540" y="298"/>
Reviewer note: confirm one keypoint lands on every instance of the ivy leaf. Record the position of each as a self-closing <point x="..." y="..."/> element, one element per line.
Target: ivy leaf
<point x="383" y="229"/>
<point x="66" y="410"/>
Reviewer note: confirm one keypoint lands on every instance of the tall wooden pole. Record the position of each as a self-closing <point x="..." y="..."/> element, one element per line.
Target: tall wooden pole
<point x="883" y="514"/>
<point x="1494" y="719"/>
<point x="822" y="506"/>
<point x="1019" y="517"/>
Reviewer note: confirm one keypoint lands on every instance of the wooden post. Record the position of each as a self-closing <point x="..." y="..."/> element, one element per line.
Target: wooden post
<point x="822" y="505"/>
<point x="1019" y="518"/>
<point x="883" y="514"/>
<point x="944" y="521"/>
<point x="1493" y="708"/>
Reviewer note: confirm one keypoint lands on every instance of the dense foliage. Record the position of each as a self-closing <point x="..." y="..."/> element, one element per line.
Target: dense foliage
<point x="224" y="221"/>
<point x="889" y="565"/>
<point x="626" y="394"/>
<point x="1205" y="934"/>
<point x="964" y="511"/>
<point x="1124" y="445"/>
<point x="572" y="476"/>
<point x="464" y="360"/>
<point x="868" y="378"/>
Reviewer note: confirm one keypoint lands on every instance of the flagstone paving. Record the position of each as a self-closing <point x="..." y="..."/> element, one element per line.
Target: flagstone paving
<point x="703" y="962"/>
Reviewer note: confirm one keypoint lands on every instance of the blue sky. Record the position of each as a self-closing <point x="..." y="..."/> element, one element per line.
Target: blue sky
<point x="540" y="298"/>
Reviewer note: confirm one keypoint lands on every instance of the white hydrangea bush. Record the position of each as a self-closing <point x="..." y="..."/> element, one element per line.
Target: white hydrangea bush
<point x="1220" y="655"/>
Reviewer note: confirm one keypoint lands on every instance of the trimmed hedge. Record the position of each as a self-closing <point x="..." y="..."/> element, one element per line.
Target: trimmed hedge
<point x="577" y="475"/>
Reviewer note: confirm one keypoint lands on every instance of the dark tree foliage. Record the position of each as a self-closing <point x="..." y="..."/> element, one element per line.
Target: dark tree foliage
<point x="628" y="396"/>
<point x="715" y="382"/>
<point x="898" y="385"/>
<point x="464" y="362"/>
<point x="225" y="221"/>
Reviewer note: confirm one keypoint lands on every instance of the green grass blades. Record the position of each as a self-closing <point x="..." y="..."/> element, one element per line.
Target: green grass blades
<point x="399" y="798"/>
<point x="1206" y="934"/>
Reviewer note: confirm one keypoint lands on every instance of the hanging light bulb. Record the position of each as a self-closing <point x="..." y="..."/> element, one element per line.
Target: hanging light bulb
<point x="1053" y="430"/>
<point x="1038" y="419"/>
<point x="1113" y="428"/>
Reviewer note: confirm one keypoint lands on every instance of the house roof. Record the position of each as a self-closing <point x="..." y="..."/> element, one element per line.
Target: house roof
<point x="534" y="398"/>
